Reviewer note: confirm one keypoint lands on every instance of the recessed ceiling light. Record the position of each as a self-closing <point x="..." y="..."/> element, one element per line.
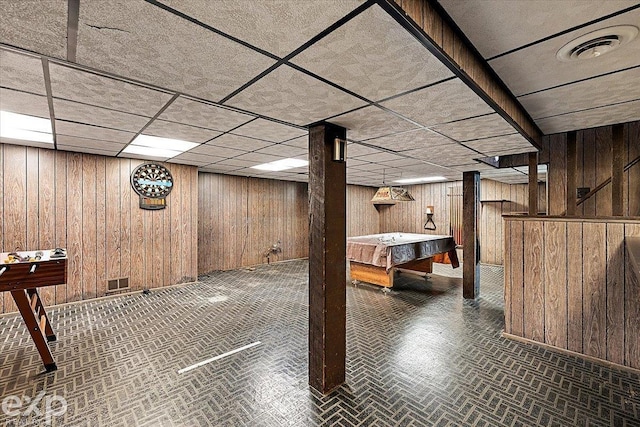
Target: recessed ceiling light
<point x="160" y="153"/>
<point x="597" y="43"/>
<point x="27" y="128"/>
<point x="280" y="165"/>
<point x="420" y="179"/>
<point x="164" y="143"/>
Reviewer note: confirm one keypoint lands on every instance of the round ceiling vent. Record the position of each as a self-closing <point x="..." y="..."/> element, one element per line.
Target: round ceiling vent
<point x="596" y="43"/>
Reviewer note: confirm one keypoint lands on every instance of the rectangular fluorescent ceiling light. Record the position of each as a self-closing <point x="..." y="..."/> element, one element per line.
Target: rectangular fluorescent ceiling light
<point x="27" y="128"/>
<point x="421" y="179"/>
<point x="155" y="146"/>
<point x="280" y="165"/>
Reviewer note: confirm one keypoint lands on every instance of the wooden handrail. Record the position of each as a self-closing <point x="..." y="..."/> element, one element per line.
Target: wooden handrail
<point x="604" y="184"/>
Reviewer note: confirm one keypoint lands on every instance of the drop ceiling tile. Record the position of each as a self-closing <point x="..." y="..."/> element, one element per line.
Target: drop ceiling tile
<point x="257" y="158"/>
<point x="478" y="127"/>
<point x="354" y="150"/>
<point x="160" y="49"/>
<point x="24" y="103"/>
<point x="238" y="164"/>
<point x="39" y="26"/>
<point x="87" y="150"/>
<point x="72" y="111"/>
<point x="215" y="150"/>
<point x="21" y="72"/>
<point x="497" y="26"/>
<point x="93" y="144"/>
<point x="282" y="150"/>
<point x="92" y="132"/>
<point x="404" y="162"/>
<point x="440" y="103"/>
<point x="445" y="155"/>
<point x="269" y="131"/>
<point x="178" y="131"/>
<point x="190" y="112"/>
<point x="218" y="168"/>
<point x="193" y="161"/>
<point x="373" y="56"/>
<point x="278" y="26"/>
<point x="292" y="96"/>
<point x="498" y="144"/>
<point x="619" y="113"/>
<point x="598" y="92"/>
<point x="379" y="157"/>
<point x="202" y="158"/>
<point x="93" y="89"/>
<point x="240" y="142"/>
<point x="536" y="67"/>
<point x="422" y="138"/>
<point x="371" y="122"/>
<point x="300" y="142"/>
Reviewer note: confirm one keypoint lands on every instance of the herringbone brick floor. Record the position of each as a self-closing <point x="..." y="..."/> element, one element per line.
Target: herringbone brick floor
<point x="417" y="356"/>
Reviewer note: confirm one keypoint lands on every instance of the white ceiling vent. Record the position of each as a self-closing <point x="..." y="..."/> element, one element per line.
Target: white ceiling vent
<point x="596" y="43"/>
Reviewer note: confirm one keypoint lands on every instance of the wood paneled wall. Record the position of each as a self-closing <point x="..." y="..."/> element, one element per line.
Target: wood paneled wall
<point x="239" y="218"/>
<point x="362" y="216"/>
<point x="593" y="166"/>
<point x="569" y="284"/>
<point x="85" y="203"/>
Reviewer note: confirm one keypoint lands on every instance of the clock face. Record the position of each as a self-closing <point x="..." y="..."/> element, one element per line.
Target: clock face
<point x="152" y="180"/>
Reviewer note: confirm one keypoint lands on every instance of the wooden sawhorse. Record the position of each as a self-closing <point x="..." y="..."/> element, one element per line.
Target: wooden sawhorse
<point x="23" y="279"/>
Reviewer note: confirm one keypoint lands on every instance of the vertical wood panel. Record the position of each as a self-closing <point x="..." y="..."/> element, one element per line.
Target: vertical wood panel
<point x="74" y="227"/>
<point x="2" y="211"/>
<point x="61" y="214"/>
<point x="101" y="226"/>
<point x="633" y="174"/>
<point x="533" y="281"/>
<point x="594" y="298"/>
<point x="555" y="283"/>
<point x="615" y="293"/>
<point x="125" y="218"/>
<point x="15" y="205"/>
<point x="603" y="170"/>
<point x="632" y="308"/>
<point x="138" y="253"/>
<point x="517" y="278"/>
<point x="112" y="209"/>
<point x="46" y="212"/>
<point x="89" y="226"/>
<point x="589" y="169"/>
<point x="574" y="294"/>
<point x="507" y="278"/>
<point x="557" y="175"/>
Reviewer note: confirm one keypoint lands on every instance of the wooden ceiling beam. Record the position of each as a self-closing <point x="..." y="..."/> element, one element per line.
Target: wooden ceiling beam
<point x="433" y="27"/>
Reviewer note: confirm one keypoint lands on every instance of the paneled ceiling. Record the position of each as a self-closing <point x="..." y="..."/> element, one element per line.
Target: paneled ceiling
<point x="520" y="39"/>
<point x="244" y="79"/>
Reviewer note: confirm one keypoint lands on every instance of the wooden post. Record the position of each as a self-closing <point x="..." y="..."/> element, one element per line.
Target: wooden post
<point x="471" y="250"/>
<point x="327" y="259"/>
<point x="533" y="183"/>
<point x="572" y="195"/>
<point x="617" y="171"/>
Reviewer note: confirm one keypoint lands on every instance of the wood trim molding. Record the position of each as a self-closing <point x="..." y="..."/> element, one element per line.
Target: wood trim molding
<point x="608" y="219"/>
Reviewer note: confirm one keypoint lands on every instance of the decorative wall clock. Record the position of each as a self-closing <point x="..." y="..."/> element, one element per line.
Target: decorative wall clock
<point x="153" y="183"/>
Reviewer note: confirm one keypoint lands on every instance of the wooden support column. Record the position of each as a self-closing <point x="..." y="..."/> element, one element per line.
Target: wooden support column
<point x="327" y="259"/>
<point x="617" y="171"/>
<point x="471" y="250"/>
<point x="572" y="161"/>
<point x="533" y="183"/>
